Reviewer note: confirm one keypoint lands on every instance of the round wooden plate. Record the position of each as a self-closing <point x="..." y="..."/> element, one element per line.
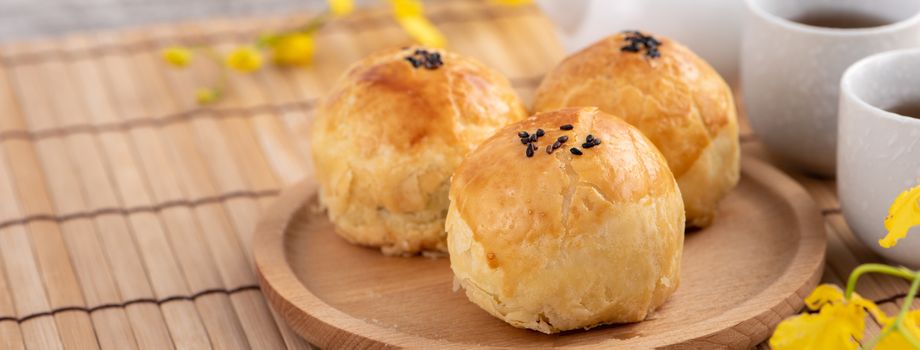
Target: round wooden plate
<point x="739" y="278"/>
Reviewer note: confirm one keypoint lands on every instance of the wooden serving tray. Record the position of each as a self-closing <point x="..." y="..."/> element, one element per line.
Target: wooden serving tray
<point x="740" y="277"/>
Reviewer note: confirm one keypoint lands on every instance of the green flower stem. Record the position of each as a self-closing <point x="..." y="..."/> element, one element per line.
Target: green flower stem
<point x="898" y="324"/>
<point x="911" y="294"/>
<point x="871" y="344"/>
<point x="222" y="78"/>
<point x="264" y="42"/>
<point x="315" y="23"/>
<point x="268" y="40"/>
<point x="905" y="308"/>
<point x="877" y="268"/>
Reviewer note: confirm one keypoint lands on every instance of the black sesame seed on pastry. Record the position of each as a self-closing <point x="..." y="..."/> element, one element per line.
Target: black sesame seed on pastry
<point x="569" y="239"/>
<point x="673" y="96"/>
<point x="390" y="133"/>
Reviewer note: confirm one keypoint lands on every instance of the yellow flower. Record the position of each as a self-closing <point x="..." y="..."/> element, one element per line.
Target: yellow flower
<point x="206" y="96"/>
<point x="512" y="2"/>
<point x="407" y="8"/>
<point x="420" y="29"/>
<point x="176" y="56"/>
<point x="244" y="59"/>
<point x="293" y="49"/>
<point x="830" y="294"/>
<point x="824" y="294"/>
<point x="409" y="14"/>
<point x="903" y="214"/>
<point x="838" y="325"/>
<point x="341" y="7"/>
<point x="896" y="340"/>
<point x="834" y="327"/>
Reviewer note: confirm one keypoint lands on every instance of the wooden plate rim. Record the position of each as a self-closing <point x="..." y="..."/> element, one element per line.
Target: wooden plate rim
<point x="285" y="292"/>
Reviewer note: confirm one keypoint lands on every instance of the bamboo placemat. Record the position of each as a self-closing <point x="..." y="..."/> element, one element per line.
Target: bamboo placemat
<point x="126" y="210"/>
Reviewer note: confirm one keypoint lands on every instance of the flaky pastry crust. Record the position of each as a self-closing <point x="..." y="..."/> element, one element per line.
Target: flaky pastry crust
<point x="677" y="100"/>
<point x="560" y="241"/>
<point x="390" y="133"/>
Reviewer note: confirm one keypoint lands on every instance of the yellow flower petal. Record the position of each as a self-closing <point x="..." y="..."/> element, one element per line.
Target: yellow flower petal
<point x="903" y="214"/>
<point x="893" y="341"/>
<point x="831" y="294"/>
<point x="176" y="56"/>
<point x="836" y="326"/>
<point x="244" y="59"/>
<point x="410" y="15"/>
<point x="293" y="49"/>
<point x="896" y="340"/>
<point x="512" y="2"/>
<point x="839" y="324"/>
<point x="824" y="294"/>
<point x="341" y="7"/>
<point x="425" y="33"/>
<point x="870" y="306"/>
<point x="407" y="8"/>
<point x="205" y="96"/>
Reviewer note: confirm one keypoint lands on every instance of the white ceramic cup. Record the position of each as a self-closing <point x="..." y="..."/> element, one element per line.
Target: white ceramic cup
<point x="878" y="151"/>
<point x="790" y="72"/>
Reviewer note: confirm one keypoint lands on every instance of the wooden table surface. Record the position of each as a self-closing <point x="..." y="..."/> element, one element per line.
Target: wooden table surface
<point x="126" y="210"/>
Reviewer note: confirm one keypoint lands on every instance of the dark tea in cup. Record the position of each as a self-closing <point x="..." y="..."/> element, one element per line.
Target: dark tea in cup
<point x="841" y="19"/>
<point x="910" y="109"/>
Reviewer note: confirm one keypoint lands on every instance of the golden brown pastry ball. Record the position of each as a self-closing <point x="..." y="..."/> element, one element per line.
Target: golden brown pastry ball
<point x="673" y="96"/>
<point x="562" y="241"/>
<point x="390" y="133"/>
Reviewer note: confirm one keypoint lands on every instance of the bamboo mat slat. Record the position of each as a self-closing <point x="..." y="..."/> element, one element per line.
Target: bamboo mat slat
<point x="126" y="210"/>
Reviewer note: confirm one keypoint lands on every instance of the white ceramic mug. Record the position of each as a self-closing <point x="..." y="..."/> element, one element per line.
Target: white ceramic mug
<point x="879" y="151"/>
<point x="790" y="72"/>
